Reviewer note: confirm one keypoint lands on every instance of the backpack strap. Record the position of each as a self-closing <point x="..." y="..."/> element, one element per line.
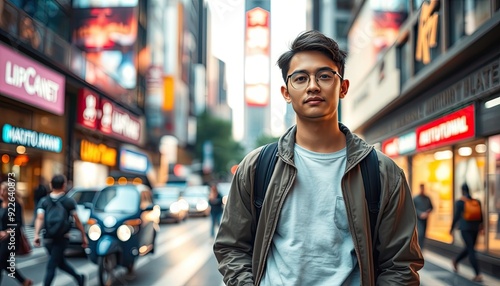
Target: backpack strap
<point x="370" y="171"/>
<point x="263" y="171"/>
<point x="371" y="181"/>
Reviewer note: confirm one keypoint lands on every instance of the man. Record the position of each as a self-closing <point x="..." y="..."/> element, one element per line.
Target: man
<point x="423" y="206"/>
<point x="314" y="223"/>
<point x="57" y="245"/>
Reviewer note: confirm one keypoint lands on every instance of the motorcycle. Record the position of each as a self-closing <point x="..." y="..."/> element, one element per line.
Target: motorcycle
<point x="122" y="226"/>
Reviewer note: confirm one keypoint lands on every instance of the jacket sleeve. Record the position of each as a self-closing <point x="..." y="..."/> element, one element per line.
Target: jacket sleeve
<point x="400" y="256"/>
<point x="233" y="245"/>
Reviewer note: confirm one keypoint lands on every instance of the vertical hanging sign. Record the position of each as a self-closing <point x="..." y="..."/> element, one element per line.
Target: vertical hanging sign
<point x="257" y="57"/>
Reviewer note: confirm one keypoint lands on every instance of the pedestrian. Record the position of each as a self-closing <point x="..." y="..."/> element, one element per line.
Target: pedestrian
<point x="57" y="245"/>
<point x="469" y="229"/>
<point x="215" y="201"/>
<point x="423" y="207"/>
<point x="41" y="191"/>
<point x="314" y="222"/>
<point x="9" y="228"/>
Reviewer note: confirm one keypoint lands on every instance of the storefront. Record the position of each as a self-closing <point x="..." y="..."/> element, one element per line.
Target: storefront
<point x="450" y="136"/>
<point x="32" y="121"/>
<point x="102" y="130"/>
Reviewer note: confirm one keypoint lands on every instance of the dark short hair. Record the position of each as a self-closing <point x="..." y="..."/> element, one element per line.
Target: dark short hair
<point x="465" y="189"/>
<point x="313" y="40"/>
<point x="58" y="181"/>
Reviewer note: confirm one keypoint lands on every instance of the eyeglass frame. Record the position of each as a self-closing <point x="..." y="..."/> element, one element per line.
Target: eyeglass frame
<point x="309" y="76"/>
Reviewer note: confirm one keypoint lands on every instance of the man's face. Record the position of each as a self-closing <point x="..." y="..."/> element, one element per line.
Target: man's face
<point x="316" y="101"/>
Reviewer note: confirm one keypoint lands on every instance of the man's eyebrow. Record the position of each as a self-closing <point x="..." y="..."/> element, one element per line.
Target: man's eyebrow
<point x="317" y="70"/>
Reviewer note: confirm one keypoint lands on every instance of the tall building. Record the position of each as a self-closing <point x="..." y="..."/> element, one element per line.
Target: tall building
<point x="425" y="88"/>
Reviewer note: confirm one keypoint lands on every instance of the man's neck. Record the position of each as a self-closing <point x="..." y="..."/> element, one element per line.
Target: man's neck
<point x="321" y="137"/>
<point x="57" y="192"/>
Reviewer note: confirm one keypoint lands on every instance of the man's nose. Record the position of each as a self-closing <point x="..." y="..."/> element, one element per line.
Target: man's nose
<point x="313" y="84"/>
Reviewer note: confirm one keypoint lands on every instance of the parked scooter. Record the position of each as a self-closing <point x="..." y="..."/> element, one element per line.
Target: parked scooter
<point x="122" y="226"/>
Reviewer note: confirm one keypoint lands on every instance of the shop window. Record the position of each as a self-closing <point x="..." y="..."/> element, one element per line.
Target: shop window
<point x="404" y="62"/>
<point x="493" y="217"/>
<point x="466" y="17"/>
<point x="341" y="27"/>
<point x="470" y="168"/>
<point x="434" y="169"/>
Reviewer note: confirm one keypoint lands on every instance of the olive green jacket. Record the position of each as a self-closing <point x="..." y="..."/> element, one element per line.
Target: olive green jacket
<point x="241" y="246"/>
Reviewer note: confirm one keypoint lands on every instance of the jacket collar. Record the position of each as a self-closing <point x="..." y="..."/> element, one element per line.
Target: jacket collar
<point x="357" y="148"/>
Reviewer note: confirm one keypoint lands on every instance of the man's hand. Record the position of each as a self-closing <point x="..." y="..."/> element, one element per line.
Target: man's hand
<point x="36" y="241"/>
<point x="85" y="242"/>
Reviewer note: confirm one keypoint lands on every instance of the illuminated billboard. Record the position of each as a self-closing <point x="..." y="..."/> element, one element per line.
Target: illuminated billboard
<point x="257" y="57"/>
<point x="108" y="36"/>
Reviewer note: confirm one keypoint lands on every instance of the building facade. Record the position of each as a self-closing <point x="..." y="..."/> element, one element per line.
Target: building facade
<point x="62" y="110"/>
<point x="430" y="99"/>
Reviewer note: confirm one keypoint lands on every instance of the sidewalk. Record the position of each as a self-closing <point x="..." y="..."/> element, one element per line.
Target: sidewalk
<point x="438" y="271"/>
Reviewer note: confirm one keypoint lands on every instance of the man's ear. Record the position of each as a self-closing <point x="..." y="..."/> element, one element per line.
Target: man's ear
<point x="344" y="87"/>
<point x="286" y="95"/>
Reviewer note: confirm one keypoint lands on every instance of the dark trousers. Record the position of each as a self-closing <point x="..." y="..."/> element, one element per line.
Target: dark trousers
<point x="469" y="237"/>
<point x="4" y="264"/>
<point x="56" y="259"/>
<point x="421" y="229"/>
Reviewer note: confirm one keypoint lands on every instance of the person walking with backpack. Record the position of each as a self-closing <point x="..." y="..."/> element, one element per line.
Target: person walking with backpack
<point x="469" y="218"/>
<point x="53" y="214"/>
<point x="314" y="223"/>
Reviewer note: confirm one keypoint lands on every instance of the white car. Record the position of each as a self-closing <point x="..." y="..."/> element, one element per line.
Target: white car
<point x="197" y="198"/>
<point x="172" y="205"/>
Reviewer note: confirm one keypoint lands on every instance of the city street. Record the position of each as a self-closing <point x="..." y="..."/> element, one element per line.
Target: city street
<point x="184" y="258"/>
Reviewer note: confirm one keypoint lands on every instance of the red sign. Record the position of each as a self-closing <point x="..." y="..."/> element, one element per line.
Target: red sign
<point x="448" y="129"/>
<point x="390" y="147"/>
<point x="119" y="123"/>
<point x="87" y="108"/>
<point x="257" y="57"/>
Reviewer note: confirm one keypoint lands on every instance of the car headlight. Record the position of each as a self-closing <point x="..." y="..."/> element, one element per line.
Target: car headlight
<point x="184" y="205"/>
<point x="201" y="206"/>
<point x="175" y="207"/>
<point x="124" y="232"/>
<point x="94" y="232"/>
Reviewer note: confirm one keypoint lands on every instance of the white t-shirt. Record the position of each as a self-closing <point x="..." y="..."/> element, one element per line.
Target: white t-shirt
<point x="312" y="244"/>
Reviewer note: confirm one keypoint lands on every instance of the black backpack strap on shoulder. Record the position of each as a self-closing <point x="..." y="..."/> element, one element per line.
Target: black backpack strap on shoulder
<point x="263" y="171"/>
<point x="370" y="171"/>
<point x="371" y="181"/>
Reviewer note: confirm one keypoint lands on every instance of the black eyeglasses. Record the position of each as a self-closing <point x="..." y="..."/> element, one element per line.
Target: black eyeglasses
<point x="324" y="78"/>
